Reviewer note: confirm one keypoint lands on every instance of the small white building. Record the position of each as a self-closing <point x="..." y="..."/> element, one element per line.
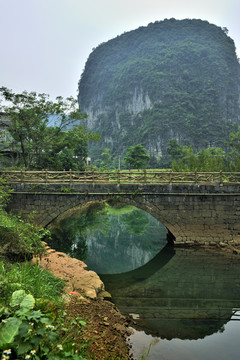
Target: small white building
<point x="4" y="125"/>
<point x="88" y="161"/>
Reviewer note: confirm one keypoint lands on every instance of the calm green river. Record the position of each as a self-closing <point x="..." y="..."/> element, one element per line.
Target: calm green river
<point x="184" y="303"/>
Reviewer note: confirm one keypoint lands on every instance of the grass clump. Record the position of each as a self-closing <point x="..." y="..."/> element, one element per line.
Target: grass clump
<point x="40" y="283"/>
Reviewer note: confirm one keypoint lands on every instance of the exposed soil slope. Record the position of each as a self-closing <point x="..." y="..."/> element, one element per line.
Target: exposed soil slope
<point x="107" y="330"/>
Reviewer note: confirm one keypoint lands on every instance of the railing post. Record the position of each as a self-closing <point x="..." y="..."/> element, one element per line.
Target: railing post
<point x="130" y="177"/>
<point x="195" y="177"/>
<point x="118" y="177"/>
<point x="46" y="175"/>
<point x="93" y="176"/>
<point x="145" y="176"/>
<point x="170" y="177"/>
<point x="70" y="175"/>
<point x="21" y="176"/>
<point x="220" y="178"/>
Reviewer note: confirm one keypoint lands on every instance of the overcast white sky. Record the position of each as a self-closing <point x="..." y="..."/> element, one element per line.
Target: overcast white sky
<point x="45" y="43"/>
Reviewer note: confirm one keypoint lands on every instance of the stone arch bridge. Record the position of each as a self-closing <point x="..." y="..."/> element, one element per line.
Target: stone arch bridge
<point x="194" y="213"/>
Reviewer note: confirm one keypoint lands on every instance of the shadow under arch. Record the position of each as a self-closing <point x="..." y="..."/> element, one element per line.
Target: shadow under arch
<point x="122" y="280"/>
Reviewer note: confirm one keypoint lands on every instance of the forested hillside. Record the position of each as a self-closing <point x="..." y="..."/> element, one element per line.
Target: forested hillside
<point x="172" y="79"/>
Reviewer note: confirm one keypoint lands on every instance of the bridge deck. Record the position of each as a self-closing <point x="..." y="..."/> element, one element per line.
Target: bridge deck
<point x="121" y="177"/>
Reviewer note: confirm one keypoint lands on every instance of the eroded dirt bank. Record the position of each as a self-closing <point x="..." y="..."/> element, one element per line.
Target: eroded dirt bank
<point x="107" y="330"/>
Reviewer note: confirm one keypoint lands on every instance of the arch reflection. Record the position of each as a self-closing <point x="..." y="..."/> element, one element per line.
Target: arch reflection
<point x="192" y="296"/>
<point x="110" y="239"/>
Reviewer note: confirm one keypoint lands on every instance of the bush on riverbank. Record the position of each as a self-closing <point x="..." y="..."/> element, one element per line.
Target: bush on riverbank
<point x="20" y="239"/>
<point x="30" y="329"/>
<point x="32" y="319"/>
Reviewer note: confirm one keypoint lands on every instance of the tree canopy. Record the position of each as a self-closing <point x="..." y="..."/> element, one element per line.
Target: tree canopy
<point x="136" y="157"/>
<point x="46" y="134"/>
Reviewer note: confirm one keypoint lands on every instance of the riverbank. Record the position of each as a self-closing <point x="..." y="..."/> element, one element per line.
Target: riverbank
<point x="107" y="330"/>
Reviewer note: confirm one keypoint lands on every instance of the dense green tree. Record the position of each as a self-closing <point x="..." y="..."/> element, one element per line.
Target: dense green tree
<point x="38" y="142"/>
<point x="233" y="158"/>
<point x="174" y="149"/>
<point x="210" y="159"/>
<point x="234" y="141"/>
<point x="107" y="158"/>
<point x="136" y="157"/>
<point x="187" y="162"/>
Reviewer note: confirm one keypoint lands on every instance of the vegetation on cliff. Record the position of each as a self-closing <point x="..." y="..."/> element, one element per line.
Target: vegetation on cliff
<point x="186" y="158"/>
<point x="172" y="79"/>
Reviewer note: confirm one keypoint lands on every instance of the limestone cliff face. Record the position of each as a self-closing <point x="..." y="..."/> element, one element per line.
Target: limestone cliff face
<point x="134" y="105"/>
<point x="171" y="79"/>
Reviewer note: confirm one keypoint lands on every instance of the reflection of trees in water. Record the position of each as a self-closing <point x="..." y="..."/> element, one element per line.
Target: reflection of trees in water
<point x="135" y="238"/>
<point x="69" y="235"/>
<point x="68" y="240"/>
<point x="136" y="222"/>
<point x="116" y="228"/>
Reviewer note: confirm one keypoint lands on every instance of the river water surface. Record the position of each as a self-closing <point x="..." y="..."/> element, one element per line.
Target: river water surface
<point x="185" y="303"/>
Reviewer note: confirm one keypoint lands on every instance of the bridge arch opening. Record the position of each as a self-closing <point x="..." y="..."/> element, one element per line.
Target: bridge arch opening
<point x="76" y="205"/>
<point x="110" y="236"/>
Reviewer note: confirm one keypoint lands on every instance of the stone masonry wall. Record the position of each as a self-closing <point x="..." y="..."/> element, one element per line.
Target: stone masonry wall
<point x="194" y="214"/>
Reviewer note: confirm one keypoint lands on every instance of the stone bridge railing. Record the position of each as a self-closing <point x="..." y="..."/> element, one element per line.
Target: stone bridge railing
<point x="121" y="177"/>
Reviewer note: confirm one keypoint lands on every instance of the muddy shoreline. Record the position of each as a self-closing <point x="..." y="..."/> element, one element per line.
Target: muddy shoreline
<point x="85" y="297"/>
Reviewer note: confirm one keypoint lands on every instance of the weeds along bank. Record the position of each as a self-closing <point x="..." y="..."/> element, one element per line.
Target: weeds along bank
<point x="35" y="322"/>
<point x="31" y="306"/>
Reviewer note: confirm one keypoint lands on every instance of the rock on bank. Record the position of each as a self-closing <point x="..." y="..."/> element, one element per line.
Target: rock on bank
<point x="79" y="280"/>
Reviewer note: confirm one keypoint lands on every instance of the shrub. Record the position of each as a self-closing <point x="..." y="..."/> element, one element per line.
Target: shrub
<point x="27" y="333"/>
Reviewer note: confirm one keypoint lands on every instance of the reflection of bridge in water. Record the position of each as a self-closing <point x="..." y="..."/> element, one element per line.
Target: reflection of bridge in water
<point x="123" y="280"/>
<point x="192" y="293"/>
